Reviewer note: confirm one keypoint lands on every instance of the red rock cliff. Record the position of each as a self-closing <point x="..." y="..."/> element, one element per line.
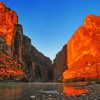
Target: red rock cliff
<point x="16" y="46"/>
<point x="8" y="20"/>
<point x="83" y="51"/>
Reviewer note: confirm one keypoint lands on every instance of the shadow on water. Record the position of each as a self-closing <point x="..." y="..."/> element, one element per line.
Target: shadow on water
<point x="24" y="91"/>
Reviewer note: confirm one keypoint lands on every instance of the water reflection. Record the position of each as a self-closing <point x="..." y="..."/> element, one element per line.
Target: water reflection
<point x="23" y="91"/>
<point x="73" y="91"/>
<point x="10" y="93"/>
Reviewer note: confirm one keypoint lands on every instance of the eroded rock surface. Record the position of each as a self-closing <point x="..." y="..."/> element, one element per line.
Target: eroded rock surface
<point x="8" y="20"/>
<point x="60" y="64"/>
<point x="37" y="67"/>
<point x="83" y="51"/>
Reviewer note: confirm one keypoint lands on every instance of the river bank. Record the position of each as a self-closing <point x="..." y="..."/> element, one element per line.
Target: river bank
<point x="93" y="94"/>
<point x="49" y="91"/>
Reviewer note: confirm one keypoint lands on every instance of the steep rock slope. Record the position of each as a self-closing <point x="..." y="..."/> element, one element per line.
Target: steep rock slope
<point x="60" y="64"/>
<point x="8" y="20"/>
<point x="10" y="69"/>
<point x="83" y="51"/>
<point x="37" y="67"/>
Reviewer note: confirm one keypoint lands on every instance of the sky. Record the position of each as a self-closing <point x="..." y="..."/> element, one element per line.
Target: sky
<point x="51" y="23"/>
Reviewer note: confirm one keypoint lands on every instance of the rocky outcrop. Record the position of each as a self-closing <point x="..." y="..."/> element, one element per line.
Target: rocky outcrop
<point x="83" y="56"/>
<point x="8" y="20"/>
<point x="10" y="69"/>
<point x="60" y="64"/>
<point x="37" y="67"/>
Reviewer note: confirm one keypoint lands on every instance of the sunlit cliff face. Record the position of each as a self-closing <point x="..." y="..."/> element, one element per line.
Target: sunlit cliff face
<point x="9" y="67"/>
<point x="73" y="91"/>
<point x="83" y="51"/>
<point x="8" y="20"/>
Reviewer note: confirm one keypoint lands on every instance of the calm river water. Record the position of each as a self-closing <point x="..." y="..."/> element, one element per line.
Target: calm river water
<point x="23" y="91"/>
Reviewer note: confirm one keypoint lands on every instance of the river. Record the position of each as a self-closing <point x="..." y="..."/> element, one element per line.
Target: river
<point x="24" y="91"/>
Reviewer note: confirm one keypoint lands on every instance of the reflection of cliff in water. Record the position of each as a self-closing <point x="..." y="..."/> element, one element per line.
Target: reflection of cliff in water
<point x="23" y="91"/>
<point x="10" y="93"/>
<point x="72" y="91"/>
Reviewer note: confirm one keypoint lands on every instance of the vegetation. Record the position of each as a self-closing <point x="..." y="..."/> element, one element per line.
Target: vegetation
<point x="10" y="69"/>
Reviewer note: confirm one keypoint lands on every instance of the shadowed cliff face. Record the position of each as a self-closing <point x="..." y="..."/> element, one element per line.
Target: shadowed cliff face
<point x="37" y="67"/>
<point x="83" y="51"/>
<point x="60" y="64"/>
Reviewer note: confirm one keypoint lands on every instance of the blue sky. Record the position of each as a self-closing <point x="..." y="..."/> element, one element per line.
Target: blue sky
<point x="51" y="23"/>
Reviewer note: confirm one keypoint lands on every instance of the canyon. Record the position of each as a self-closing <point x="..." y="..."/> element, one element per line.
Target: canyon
<point x="79" y="59"/>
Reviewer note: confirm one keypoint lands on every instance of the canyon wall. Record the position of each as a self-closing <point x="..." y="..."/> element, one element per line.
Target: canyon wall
<point x="83" y="56"/>
<point x="37" y="67"/>
<point x="60" y="64"/>
<point x="8" y="22"/>
<point x="10" y="68"/>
